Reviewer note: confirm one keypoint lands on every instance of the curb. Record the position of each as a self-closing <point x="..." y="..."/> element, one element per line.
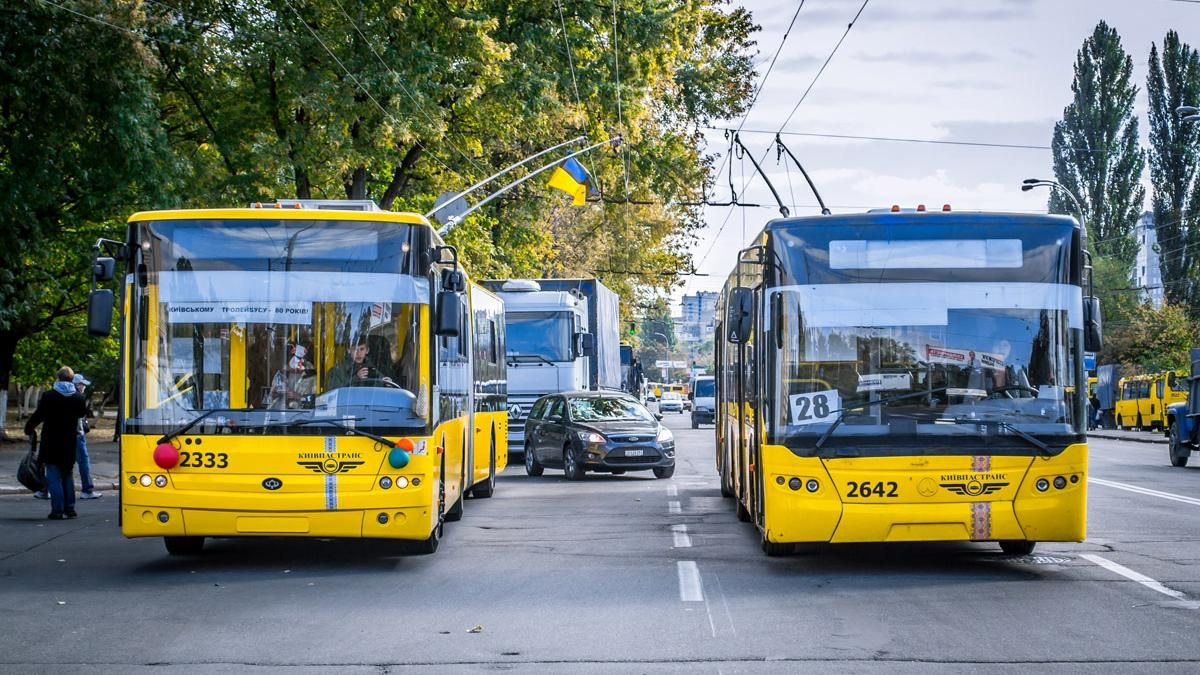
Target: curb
<point x="1149" y="438"/>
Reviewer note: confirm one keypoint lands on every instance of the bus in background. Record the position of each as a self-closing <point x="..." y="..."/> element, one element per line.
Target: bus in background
<point x="1144" y="399"/>
<point x="907" y="376"/>
<point x="320" y="369"/>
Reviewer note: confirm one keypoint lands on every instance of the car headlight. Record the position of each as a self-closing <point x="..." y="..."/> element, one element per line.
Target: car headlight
<point x="665" y="435"/>
<point x="590" y="437"/>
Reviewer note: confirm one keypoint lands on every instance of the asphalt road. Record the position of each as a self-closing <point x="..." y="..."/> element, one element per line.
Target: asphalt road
<point x="614" y="575"/>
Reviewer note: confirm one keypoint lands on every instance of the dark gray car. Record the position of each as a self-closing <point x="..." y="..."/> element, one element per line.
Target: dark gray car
<point x="596" y="431"/>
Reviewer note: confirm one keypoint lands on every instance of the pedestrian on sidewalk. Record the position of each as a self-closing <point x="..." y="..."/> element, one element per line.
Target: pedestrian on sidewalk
<point x="81" y="450"/>
<point x="59" y="412"/>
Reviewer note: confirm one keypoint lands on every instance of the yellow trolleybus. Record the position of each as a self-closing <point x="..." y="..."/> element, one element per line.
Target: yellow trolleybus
<point x="319" y="369"/>
<point x="907" y="377"/>
<point x="1145" y="399"/>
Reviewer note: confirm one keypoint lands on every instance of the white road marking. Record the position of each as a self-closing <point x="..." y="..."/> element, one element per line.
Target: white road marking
<point x="1135" y="576"/>
<point x="690" y="589"/>
<point x="1144" y="491"/>
<point x="673" y="507"/>
<point x="682" y="538"/>
<point x="672" y="490"/>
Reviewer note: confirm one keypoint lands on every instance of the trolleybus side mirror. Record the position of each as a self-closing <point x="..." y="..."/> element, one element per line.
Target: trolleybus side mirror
<point x="449" y="313"/>
<point x="738" y="314"/>
<point x="587" y="344"/>
<point x="104" y="269"/>
<point x="100" y="312"/>
<point x="1093" y="334"/>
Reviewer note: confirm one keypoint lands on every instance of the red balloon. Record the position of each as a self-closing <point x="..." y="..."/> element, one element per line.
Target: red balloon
<point x="166" y="456"/>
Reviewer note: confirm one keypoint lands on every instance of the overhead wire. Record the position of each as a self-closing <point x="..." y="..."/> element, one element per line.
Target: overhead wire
<point x="400" y="82"/>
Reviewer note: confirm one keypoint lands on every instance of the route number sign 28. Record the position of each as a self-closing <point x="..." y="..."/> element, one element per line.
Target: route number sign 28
<point x="816" y="407"/>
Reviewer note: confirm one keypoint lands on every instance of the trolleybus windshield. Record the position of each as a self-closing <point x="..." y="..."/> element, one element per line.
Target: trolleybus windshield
<point x="913" y="340"/>
<point x="274" y="322"/>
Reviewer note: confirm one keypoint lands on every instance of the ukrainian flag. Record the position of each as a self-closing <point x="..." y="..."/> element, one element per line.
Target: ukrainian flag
<point x="571" y="178"/>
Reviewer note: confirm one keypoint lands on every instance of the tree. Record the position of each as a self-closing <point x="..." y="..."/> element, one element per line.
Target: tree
<point x="1095" y="147"/>
<point x="1156" y="339"/>
<point x="80" y="141"/>
<point x="1175" y="168"/>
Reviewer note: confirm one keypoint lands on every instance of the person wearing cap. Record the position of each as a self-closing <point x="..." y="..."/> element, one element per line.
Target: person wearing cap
<point x="81" y="450"/>
<point x="58" y="412"/>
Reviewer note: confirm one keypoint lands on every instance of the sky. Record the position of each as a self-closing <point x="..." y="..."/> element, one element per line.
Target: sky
<point x="988" y="71"/>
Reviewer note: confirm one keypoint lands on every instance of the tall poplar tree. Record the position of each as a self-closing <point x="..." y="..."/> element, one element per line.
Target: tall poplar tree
<point x="1095" y="145"/>
<point x="1174" y="80"/>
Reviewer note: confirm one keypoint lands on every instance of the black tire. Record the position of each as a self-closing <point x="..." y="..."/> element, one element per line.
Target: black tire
<point x="532" y="466"/>
<point x="184" y="545"/>
<point x="572" y="469"/>
<point x="1179" y="454"/>
<point x="775" y="550"/>
<point x="429" y="545"/>
<point x="742" y="514"/>
<point x="1017" y="547"/>
<point x="664" y="471"/>
<point x="488" y="487"/>
<point x="455" y="513"/>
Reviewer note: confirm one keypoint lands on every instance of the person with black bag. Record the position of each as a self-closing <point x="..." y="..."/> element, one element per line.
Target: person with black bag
<point x="59" y="412"/>
<point x="30" y="472"/>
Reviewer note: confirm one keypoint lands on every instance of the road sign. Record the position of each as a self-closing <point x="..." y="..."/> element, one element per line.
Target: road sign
<point x="663" y="363"/>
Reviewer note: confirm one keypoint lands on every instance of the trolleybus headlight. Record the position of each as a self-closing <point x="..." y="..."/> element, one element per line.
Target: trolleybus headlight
<point x="146" y="480"/>
<point x="402" y="482"/>
<point x="160" y="481"/>
<point x="385" y="482"/>
<point x="1074" y="478"/>
<point x="1060" y="482"/>
<point x="132" y="479"/>
<point x="812" y="485"/>
<point x="1042" y="485"/>
<point x="794" y="483"/>
<point x="382" y="518"/>
<point x="779" y="480"/>
<point x="163" y="516"/>
<point x="415" y="481"/>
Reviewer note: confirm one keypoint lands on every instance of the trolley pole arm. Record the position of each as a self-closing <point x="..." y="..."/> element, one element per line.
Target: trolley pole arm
<point x="824" y="209"/>
<point x="503" y="171"/>
<point x="455" y="221"/>
<point x="782" y="209"/>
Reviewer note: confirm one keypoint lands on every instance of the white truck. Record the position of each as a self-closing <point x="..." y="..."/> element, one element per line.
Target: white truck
<point x="561" y="335"/>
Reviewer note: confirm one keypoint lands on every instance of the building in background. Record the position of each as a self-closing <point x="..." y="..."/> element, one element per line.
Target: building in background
<point x="1147" y="275"/>
<point x="696" y="323"/>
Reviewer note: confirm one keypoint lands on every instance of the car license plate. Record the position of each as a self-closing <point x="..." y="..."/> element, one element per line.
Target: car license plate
<point x="634" y="453"/>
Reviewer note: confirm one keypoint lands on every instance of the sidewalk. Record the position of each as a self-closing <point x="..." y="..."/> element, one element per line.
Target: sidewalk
<point x="1127" y="435"/>
<point x="103" y="454"/>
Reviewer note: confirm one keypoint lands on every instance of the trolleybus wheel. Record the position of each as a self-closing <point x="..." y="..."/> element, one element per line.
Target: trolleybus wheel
<point x="455" y="513"/>
<point x="742" y="514"/>
<point x="184" y="545"/>
<point x="487" y="487"/>
<point x="1179" y="454"/>
<point x="1017" y="547"/>
<point x="532" y="466"/>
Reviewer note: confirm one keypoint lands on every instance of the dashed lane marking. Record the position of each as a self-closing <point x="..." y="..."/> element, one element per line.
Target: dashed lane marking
<point x="1135" y="576"/>
<point x="672" y="491"/>
<point x="673" y="507"/>
<point x="682" y="538"/>
<point x="1144" y="491"/>
<point x="690" y="588"/>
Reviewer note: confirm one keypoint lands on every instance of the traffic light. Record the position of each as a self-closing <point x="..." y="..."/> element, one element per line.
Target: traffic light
<point x="633" y="328"/>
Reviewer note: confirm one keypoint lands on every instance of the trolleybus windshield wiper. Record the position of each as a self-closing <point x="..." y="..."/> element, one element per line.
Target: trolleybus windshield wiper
<point x="194" y="421"/>
<point x="539" y="357"/>
<point x="1023" y="435"/>
<point x="304" y="421"/>
<point x="883" y="401"/>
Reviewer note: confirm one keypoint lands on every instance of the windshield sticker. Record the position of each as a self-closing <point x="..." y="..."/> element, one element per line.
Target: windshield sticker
<point x="885" y="382"/>
<point x="954" y="391"/>
<point x="963" y="357"/>
<point x="816" y="407"/>
<point x="298" y="313"/>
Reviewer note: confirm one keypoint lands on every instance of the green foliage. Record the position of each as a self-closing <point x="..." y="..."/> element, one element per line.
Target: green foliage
<point x="1156" y="339"/>
<point x="1175" y="167"/>
<point x="1095" y="147"/>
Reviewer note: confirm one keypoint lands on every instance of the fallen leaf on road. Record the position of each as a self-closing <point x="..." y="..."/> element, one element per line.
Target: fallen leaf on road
<point x="62" y="560"/>
<point x="62" y="602"/>
<point x="476" y="629"/>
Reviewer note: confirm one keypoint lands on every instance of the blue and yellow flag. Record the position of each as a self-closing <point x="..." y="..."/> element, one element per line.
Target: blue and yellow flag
<point x="571" y="178"/>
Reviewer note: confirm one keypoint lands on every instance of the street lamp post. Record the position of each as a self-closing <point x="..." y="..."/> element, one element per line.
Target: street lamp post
<point x="1030" y="183"/>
